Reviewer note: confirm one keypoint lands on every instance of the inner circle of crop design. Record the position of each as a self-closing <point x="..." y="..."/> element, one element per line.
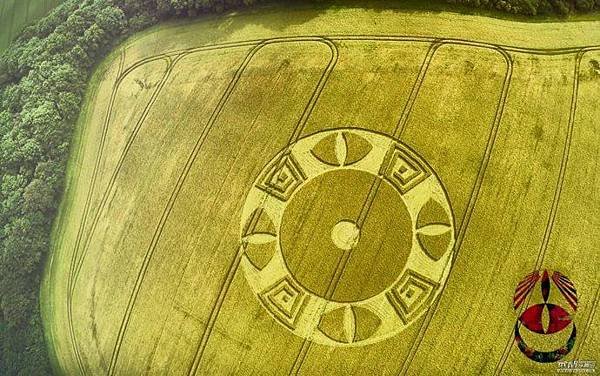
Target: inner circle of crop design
<point x="559" y="318"/>
<point x="329" y="157"/>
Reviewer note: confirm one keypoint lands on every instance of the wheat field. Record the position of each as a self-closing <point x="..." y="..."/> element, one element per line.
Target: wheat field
<point x="328" y="191"/>
<point x="15" y="15"/>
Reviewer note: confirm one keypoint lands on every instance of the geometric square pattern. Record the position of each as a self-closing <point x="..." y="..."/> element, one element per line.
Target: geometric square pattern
<point x="412" y="293"/>
<point x="282" y="178"/>
<point x="404" y="171"/>
<point x="266" y="229"/>
<point x="285" y="300"/>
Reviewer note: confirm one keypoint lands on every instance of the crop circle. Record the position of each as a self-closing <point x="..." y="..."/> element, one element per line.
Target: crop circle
<point x="347" y="237"/>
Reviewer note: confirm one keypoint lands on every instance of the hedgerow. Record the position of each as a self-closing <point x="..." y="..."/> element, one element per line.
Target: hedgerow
<point x="534" y="7"/>
<point x="43" y="77"/>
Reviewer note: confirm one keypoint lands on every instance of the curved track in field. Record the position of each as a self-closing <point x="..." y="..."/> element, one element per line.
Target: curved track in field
<point x="81" y="247"/>
<point x="556" y="199"/>
<point x="167" y="211"/>
<point x="471" y="205"/>
<point x="233" y="268"/>
<point x="590" y="319"/>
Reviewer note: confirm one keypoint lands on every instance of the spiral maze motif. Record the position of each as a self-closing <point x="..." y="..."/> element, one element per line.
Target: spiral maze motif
<point x="420" y="233"/>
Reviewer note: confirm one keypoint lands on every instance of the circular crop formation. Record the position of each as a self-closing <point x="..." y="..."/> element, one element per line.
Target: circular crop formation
<point x="347" y="237"/>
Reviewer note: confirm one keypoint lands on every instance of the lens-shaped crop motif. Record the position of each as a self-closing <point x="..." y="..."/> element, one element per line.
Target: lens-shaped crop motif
<point x="328" y="211"/>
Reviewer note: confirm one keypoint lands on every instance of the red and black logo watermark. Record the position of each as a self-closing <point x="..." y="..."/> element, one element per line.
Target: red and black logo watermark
<point x="559" y="317"/>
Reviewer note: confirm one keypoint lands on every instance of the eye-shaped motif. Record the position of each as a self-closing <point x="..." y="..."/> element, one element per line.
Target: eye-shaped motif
<point x="341" y="149"/>
<point x="321" y="223"/>
<point x="349" y="324"/>
<point x="532" y="318"/>
<point x="259" y="238"/>
<point x="434" y="230"/>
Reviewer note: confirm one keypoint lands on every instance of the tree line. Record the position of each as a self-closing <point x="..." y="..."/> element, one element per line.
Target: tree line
<point x="534" y="7"/>
<point x="43" y="77"/>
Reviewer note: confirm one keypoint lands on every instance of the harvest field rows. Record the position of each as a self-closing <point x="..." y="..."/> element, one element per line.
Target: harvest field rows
<point x="160" y="261"/>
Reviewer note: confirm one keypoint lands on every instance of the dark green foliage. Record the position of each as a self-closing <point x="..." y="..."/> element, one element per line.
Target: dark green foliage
<point x="43" y="77"/>
<point x="586" y="5"/>
<point x="534" y="7"/>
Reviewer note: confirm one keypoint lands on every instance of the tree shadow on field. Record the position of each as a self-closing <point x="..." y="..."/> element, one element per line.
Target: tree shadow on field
<point x="272" y="15"/>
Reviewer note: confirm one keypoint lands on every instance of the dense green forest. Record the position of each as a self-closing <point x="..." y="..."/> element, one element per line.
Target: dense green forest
<point x="534" y="7"/>
<point x="43" y="77"/>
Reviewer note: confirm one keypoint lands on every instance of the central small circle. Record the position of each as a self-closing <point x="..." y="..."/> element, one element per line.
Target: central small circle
<point x="345" y="235"/>
<point x="319" y="229"/>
